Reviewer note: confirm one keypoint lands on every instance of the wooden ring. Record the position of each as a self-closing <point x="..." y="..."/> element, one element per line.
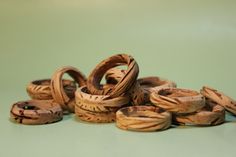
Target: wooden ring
<point x="126" y="82"/>
<point x="143" y="118"/>
<point x="98" y="103"/>
<point x="227" y="102"/>
<point x="178" y="101"/>
<point x="35" y="112"/>
<point x="40" y="89"/>
<point x="95" y="117"/>
<point x="210" y="115"/>
<point x="58" y="92"/>
<point x="153" y="83"/>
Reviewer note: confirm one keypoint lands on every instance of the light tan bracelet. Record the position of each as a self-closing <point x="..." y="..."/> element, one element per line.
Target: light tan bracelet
<point x="40" y="89"/>
<point x="143" y="118"/>
<point x="228" y="103"/>
<point x="178" y="101"/>
<point x="212" y="114"/>
<point x="58" y="92"/>
<point x="125" y="83"/>
<point x="95" y="117"/>
<point x="34" y="112"/>
<point x="98" y="103"/>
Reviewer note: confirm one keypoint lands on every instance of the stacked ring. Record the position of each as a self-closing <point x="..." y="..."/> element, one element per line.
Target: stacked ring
<point x="58" y="92"/>
<point x="228" y="103"/>
<point x="178" y="101"/>
<point x="97" y="108"/>
<point x="123" y="86"/>
<point x="35" y="112"/>
<point x="212" y="114"/>
<point x="143" y="118"/>
<point x="40" y="89"/>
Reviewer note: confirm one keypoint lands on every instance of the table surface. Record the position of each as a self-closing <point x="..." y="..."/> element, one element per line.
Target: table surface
<point x="190" y="42"/>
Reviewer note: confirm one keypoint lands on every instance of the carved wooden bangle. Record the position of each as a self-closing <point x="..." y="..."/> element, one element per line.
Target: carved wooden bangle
<point x="58" y="92"/>
<point x="34" y="112"/>
<point x="40" y="89"/>
<point x="125" y="83"/>
<point x="228" y="103"/>
<point x="178" y="101"/>
<point x="95" y="117"/>
<point x="153" y="84"/>
<point x="98" y="103"/>
<point x="143" y="118"/>
<point x="212" y="114"/>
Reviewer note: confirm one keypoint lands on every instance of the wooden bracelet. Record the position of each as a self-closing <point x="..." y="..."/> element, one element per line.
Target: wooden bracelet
<point x="153" y="83"/>
<point x="98" y="103"/>
<point x="143" y="118"/>
<point x="125" y="83"/>
<point x="228" y="103"/>
<point x="40" y="89"/>
<point x="58" y="92"/>
<point x="95" y="117"/>
<point x="212" y="114"/>
<point x="178" y="101"/>
<point x="35" y="112"/>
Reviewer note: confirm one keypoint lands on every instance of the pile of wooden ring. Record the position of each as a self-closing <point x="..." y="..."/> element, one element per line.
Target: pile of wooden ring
<point x="144" y="104"/>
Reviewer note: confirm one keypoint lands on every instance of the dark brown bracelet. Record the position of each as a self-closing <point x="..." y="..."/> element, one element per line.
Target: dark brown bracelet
<point x="58" y="92"/>
<point x="212" y="114"/>
<point x="143" y="118"/>
<point x="35" y="112"/>
<point x="41" y="90"/>
<point x="228" y="103"/>
<point x="123" y="86"/>
<point x="178" y="101"/>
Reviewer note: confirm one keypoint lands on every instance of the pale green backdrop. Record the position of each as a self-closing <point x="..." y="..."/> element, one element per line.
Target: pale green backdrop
<point x="190" y="42"/>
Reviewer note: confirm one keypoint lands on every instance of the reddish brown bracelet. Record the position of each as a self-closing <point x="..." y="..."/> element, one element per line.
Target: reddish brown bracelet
<point x="125" y="83"/>
<point x="143" y="118"/>
<point x="228" y="103"/>
<point x="41" y="90"/>
<point x="58" y="93"/>
<point x="212" y="114"/>
<point x="35" y="112"/>
<point x="178" y="101"/>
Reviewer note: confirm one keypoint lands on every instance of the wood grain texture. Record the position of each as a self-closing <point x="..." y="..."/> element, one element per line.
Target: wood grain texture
<point x="178" y="101"/>
<point x="58" y="92"/>
<point x="210" y="115"/>
<point x="98" y="103"/>
<point x="95" y="117"/>
<point x="126" y="82"/>
<point x="41" y="90"/>
<point x="227" y="102"/>
<point x="34" y="112"/>
<point x="143" y="118"/>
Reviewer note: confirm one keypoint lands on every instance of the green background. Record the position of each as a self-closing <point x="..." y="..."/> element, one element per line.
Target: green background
<point x="190" y="42"/>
